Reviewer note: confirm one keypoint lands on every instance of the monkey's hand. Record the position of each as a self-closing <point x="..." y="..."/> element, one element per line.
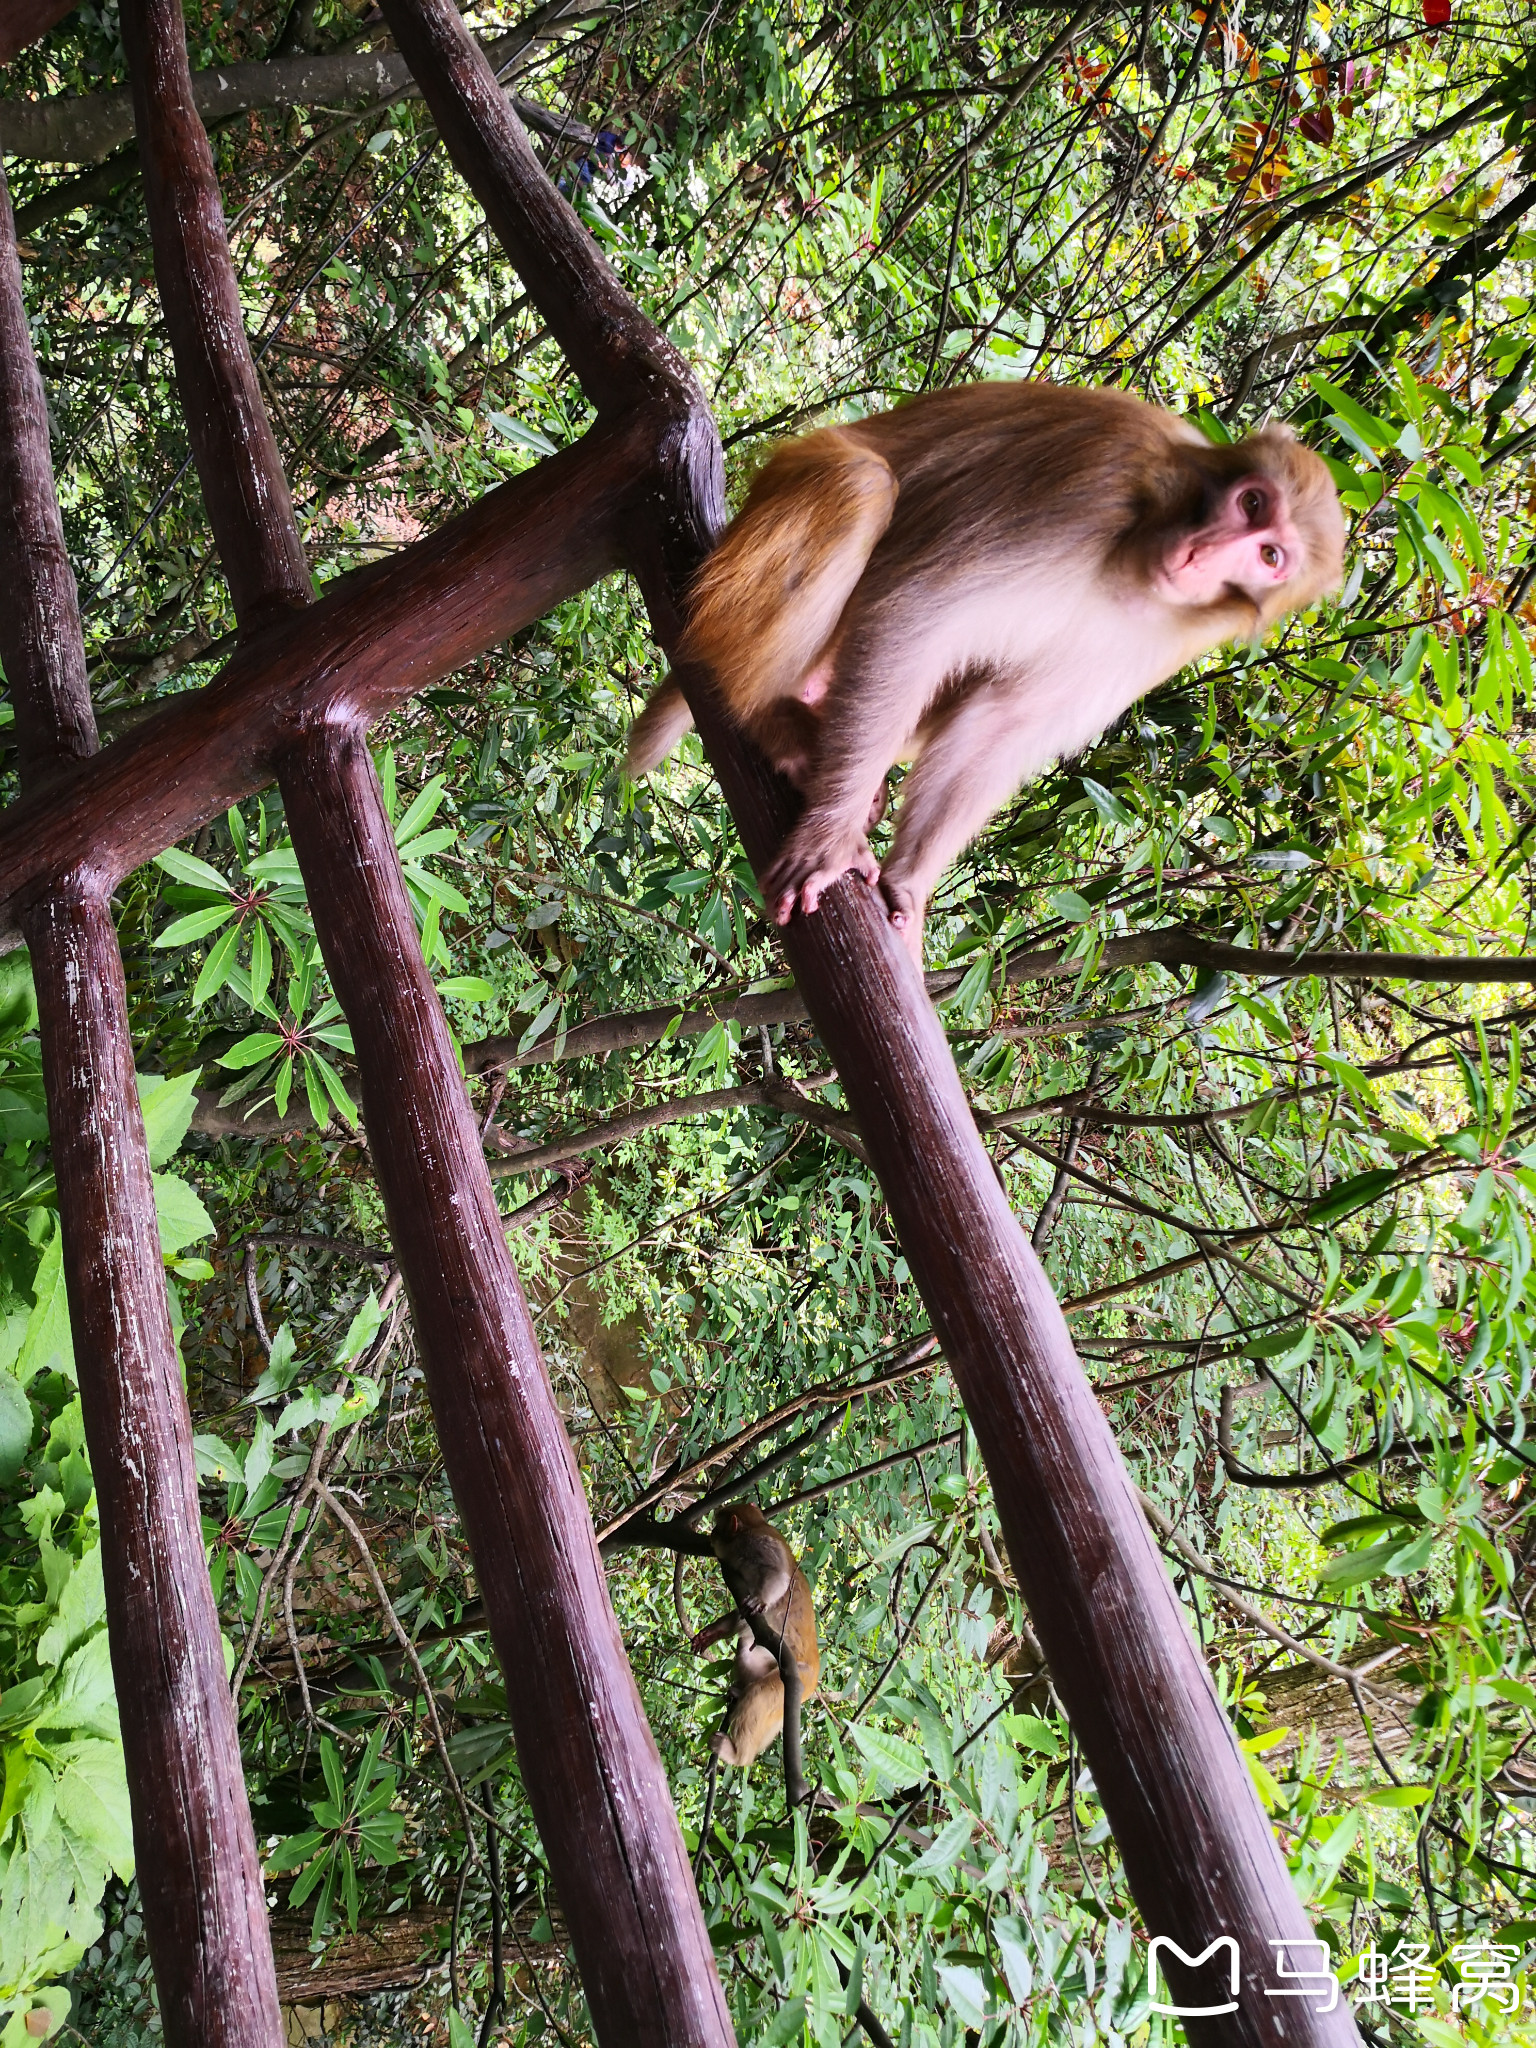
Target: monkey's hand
<point x="716" y="1632"/>
<point x="810" y="861"/>
<point x="907" y="909"/>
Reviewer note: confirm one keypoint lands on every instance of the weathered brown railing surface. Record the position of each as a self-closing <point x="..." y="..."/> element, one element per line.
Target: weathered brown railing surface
<point x="295" y="701"/>
<point x="589" y="1764"/>
<point x="204" y="1910"/>
<point x="23" y="21"/>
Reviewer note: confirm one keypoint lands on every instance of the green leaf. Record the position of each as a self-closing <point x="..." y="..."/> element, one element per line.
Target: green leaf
<point x="1017" y="1960"/>
<point x="442" y="893"/>
<point x="1069" y="905"/>
<point x="789" y="2025"/>
<point x="467" y="988"/>
<point x="519" y="435"/>
<point x="18" y="997"/>
<point x="1106" y="803"/>
<point x="1412" y="1557"/>
<point x="179" y="1213"/>
<point x="1033" y="1733"/>
<point x="282" y="1368"/>
<point x="438" y="840"/>
<point x="47" y="1347"/>
<point x="334" y="1087"/>
<point x="1469" y="1224"/>
<point x="15" y="1427"/>
<point x="966" y="1991"/>
<point x="459" y="2034"/>
<point x="1355" y="1567"/>
<point x="215" y="970"/>
<point x="1400" y="1795"/>
<point x="82" y="1698"/>
<point x="252" y="1050"/>
<point x="195" y="925"/>
<point x="897" y="1762"/>
<point x="1374" y="432"/>
<point x="91" y="1799"/>
<point x="314" y="1089"/>
<point x="1364" y="1525"/>
<point x="1353" y="1193"/>
<point x="1274" y="1342"/>
<point x="945" y="1850"/>
<point x="167" y="1102"/>
<point x="21" y="1113"/>
<point x="214" y="1459"/>
<point x="81" y="1609"/>
<point x="294" y="1851"/>
<point x="261" y="964"/>
<point x="186" y="867"/>
<point x="280" y="867"/>
<point x="1209" y="990"/>
<point x="421" y="811"/>
<point x="364" y="1327"/>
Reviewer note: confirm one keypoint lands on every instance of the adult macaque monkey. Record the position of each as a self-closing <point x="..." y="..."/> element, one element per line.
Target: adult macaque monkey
<point x="774" y="1619"/>
<point x="980" y="582"/>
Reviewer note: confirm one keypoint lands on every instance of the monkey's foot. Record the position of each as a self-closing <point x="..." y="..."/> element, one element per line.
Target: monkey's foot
<point x="906" y="908"/>
<point x="807" y="867"/>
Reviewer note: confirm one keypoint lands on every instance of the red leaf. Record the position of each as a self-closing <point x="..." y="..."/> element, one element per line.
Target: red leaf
<point x="1317" y="123"/>
<point x="1436" y="13"/>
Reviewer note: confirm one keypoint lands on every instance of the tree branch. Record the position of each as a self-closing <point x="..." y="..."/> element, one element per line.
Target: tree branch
<point x="84" y="128"/>
<point x="784" y="1095"/>
<point x="1168" y="946"/>
<point x="1351" y="1675"/>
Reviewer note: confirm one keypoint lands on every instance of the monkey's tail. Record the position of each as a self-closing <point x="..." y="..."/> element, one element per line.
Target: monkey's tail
<point x="658" y="729"/>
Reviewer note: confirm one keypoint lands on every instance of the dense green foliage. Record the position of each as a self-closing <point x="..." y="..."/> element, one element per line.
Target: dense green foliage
<point x="1297" y="1238"/>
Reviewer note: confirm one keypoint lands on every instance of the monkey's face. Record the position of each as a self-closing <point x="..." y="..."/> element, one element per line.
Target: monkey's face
<point x="1251" y="552"/>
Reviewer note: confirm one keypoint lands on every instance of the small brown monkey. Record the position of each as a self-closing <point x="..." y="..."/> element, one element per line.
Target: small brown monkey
<point x="755" y="1707"/>
<point x="767" y="1584"/>
<point x="979" y="581"/>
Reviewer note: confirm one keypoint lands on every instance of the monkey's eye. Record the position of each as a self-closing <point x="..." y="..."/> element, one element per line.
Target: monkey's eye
<point x="1270" y="555"/>
<point x="1251" y="504"/>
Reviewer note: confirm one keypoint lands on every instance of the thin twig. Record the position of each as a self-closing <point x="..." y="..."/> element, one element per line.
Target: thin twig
<point x="1352" y="1675"/>
<point x="253" y="1298"/>
<point x="402" y="1636"/>
<point x="279" y="1559"/>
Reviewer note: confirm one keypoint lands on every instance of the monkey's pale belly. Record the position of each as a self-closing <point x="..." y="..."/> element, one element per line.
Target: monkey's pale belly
<point x="1066" y="719"/>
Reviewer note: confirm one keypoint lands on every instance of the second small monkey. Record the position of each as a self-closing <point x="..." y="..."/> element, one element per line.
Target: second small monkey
<point x="980" y="582"/>
<point x="765" y="1582"/>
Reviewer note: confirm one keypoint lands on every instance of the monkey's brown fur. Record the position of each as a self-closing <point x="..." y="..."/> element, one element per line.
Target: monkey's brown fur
<point x="764" y="1579"/>
<point x="980" y="581"/>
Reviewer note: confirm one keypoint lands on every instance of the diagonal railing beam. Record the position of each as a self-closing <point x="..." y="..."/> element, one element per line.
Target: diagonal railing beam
<point x="385" y="633"/>
<point x="1199" y="1852"/>
<point x="245" y="492"/>
<point x="199" y="1874"/>
<point x="590" y="1766"/>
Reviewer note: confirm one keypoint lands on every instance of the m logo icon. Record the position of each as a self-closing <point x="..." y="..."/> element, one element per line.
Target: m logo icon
<point x="1160" y="1942"/>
